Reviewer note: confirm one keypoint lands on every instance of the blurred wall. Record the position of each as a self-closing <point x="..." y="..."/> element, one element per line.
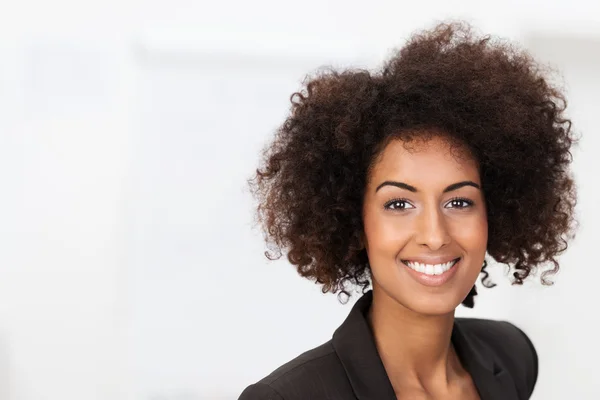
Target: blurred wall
<point x="130" y="268"/>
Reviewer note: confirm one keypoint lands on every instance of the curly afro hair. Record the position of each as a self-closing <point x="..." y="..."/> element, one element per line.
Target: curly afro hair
<point x="481" y="92"/>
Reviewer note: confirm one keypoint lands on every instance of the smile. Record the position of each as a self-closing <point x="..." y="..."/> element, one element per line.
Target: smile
<point x="430" y="269"/>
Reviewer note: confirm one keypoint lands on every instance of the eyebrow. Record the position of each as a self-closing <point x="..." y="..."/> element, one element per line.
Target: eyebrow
<point x="402" y="185"/>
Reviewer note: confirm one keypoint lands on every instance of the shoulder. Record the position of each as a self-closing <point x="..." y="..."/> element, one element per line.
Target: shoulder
<point x="509" y="344"/>
<point x="306" y="376"/>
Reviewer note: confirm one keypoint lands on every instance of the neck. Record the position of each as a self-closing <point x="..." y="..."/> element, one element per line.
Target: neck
<point x="415" y="349"/>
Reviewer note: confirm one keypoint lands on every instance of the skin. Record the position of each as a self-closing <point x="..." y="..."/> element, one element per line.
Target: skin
<point x="411" y="322"/>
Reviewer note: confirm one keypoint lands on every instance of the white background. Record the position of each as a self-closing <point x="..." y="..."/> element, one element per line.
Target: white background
<point x="129" y="267"/>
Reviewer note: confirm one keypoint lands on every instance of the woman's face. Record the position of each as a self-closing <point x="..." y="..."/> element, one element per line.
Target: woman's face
<point x="424" y="210"/>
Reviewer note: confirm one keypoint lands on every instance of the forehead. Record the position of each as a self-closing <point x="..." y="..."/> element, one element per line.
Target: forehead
<point x="425" y="160"/>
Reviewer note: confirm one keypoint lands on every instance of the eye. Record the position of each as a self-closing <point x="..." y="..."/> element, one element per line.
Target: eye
<point x="398" y="204"/>
<point x="459" y="203"/>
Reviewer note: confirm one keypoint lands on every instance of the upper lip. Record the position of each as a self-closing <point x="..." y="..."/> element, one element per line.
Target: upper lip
<point x="431" y="260"/>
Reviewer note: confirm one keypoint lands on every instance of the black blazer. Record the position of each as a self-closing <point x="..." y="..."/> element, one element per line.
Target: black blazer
<point x="499" y="356"/>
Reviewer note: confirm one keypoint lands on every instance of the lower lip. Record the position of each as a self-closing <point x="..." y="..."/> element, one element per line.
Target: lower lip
<point x="433" y="280"/>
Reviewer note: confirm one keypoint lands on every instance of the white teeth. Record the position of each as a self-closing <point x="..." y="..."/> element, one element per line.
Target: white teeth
<point x="430" y="269"/>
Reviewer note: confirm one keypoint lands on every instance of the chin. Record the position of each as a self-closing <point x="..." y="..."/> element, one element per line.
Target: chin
<point x="428" y="304"/>
<point x="432" y="306"/>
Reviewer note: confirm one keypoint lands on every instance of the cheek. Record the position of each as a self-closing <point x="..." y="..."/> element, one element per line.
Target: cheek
<point x="472" y="235"/>
<point x="384" y="236"/>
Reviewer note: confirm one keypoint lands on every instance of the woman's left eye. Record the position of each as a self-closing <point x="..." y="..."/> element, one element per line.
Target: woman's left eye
<point x="460" y="203"/>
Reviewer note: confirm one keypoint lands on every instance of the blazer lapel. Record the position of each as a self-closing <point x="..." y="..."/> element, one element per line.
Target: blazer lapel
<point x="355" y="346"/>
<point x="491" y="379"/>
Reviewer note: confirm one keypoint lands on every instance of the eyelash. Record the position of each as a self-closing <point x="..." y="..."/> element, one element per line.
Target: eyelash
<point x="387" y="205"/>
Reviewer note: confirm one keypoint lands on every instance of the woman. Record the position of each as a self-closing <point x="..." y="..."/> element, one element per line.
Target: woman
<point x="403" y="180"/>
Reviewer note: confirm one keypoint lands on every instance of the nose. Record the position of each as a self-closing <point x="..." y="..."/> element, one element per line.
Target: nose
<point x="432" y="230"/>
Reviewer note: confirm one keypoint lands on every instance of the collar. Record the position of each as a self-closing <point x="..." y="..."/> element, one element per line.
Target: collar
<point x="355" y="346"/>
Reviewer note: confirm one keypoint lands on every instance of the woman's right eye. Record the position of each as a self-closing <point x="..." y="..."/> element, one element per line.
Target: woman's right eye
<point x="398" y="204"/>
